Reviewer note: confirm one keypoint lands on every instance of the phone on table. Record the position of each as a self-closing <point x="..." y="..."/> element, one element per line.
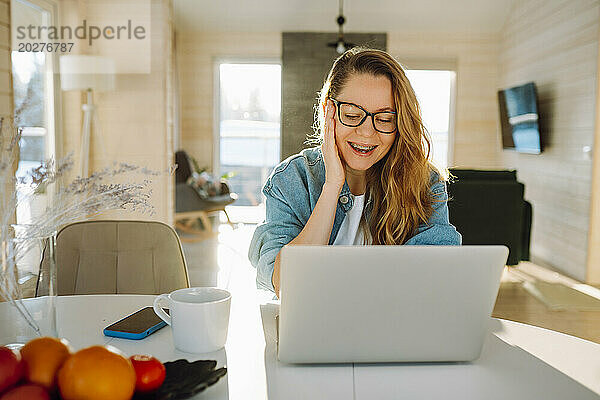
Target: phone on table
<point x="137" y="325"/>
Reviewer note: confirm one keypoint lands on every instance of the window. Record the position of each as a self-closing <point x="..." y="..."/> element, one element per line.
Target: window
<point x="249" y="130"/>
<point x="34" y="98"/>
<point x="434" y="90"/>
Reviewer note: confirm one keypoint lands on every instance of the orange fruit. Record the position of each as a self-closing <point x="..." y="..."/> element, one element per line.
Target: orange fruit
<point x="42" y="358"/>
<point x="97" y="373"/>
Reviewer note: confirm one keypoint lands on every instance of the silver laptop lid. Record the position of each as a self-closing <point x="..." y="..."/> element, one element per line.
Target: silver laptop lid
<point x="386" y="303"/>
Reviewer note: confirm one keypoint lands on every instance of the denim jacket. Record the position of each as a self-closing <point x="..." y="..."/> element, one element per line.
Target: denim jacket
<point x="292" y="191"/>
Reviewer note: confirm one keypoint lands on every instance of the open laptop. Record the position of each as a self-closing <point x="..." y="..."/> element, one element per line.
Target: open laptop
<point x="386" y="303"/>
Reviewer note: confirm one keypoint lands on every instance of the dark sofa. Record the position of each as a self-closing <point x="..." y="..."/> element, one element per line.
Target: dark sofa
<point x="487" y="207"/>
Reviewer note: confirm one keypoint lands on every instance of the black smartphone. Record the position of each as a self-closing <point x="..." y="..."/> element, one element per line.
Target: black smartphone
<point x="137" y="325"/>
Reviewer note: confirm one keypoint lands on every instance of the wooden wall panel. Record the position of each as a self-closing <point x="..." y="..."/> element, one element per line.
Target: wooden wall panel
<point x="6" y="100"/>
<point x="593" y="259"/>
<point x="555" y="44"/>
<point x="135" y="119"/>
<point x="476" y="142"/>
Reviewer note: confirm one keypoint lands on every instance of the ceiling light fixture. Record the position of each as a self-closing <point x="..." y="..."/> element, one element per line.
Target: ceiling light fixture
<point x="340" y="45"/>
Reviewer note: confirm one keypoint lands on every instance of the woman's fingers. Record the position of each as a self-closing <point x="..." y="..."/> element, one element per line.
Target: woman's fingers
<point x="329" y="138"/>
<point x="330" y="127"/>
<point x="334" y="170"/>
<point x="327" y="127"/>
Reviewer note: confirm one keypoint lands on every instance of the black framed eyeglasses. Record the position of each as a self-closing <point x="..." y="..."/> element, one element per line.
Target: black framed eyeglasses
<point x="353" y="115"/>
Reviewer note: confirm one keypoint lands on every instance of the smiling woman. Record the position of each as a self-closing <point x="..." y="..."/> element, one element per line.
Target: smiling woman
<point x="369" y="182"/>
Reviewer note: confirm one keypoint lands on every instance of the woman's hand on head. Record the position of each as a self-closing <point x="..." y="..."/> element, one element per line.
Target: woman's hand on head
<point x="335" y="174"/>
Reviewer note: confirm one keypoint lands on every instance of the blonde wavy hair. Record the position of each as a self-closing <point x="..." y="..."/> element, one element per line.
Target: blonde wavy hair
<point x="398" y="185"/>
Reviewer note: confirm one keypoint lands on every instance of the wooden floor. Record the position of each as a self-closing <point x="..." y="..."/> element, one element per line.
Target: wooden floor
<point x="517" y="304"/>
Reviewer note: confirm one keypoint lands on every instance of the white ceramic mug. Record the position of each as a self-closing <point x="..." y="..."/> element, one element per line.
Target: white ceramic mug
<point x="199" y="317"/>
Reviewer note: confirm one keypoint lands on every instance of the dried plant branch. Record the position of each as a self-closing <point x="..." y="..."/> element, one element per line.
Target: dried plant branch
<point x="82" y="199"/>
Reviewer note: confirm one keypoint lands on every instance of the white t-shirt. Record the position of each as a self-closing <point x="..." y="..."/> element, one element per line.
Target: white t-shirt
<point x="349" y="233"/>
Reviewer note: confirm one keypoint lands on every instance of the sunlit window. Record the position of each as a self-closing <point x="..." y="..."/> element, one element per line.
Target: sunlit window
<point x="433" y="90"/>
<point x="28" y="86"/>
<point x="34" y="98"/>
<point x="249" y="144"/>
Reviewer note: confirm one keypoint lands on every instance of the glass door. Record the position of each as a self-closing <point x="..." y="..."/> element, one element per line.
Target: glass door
<point x="249" y="133"/>
<point x="34" y="100"/>
<point x="434" y="91"/>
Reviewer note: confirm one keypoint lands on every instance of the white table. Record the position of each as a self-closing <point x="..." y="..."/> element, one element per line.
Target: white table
<point x="81" y="319"/>
<point x="545" y="365"/>
<point x="570" y="368"/>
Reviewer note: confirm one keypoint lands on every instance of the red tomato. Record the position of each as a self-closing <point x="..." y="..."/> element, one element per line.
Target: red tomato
<point x="150" y="373"/>
<point x="12" y="368"/>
